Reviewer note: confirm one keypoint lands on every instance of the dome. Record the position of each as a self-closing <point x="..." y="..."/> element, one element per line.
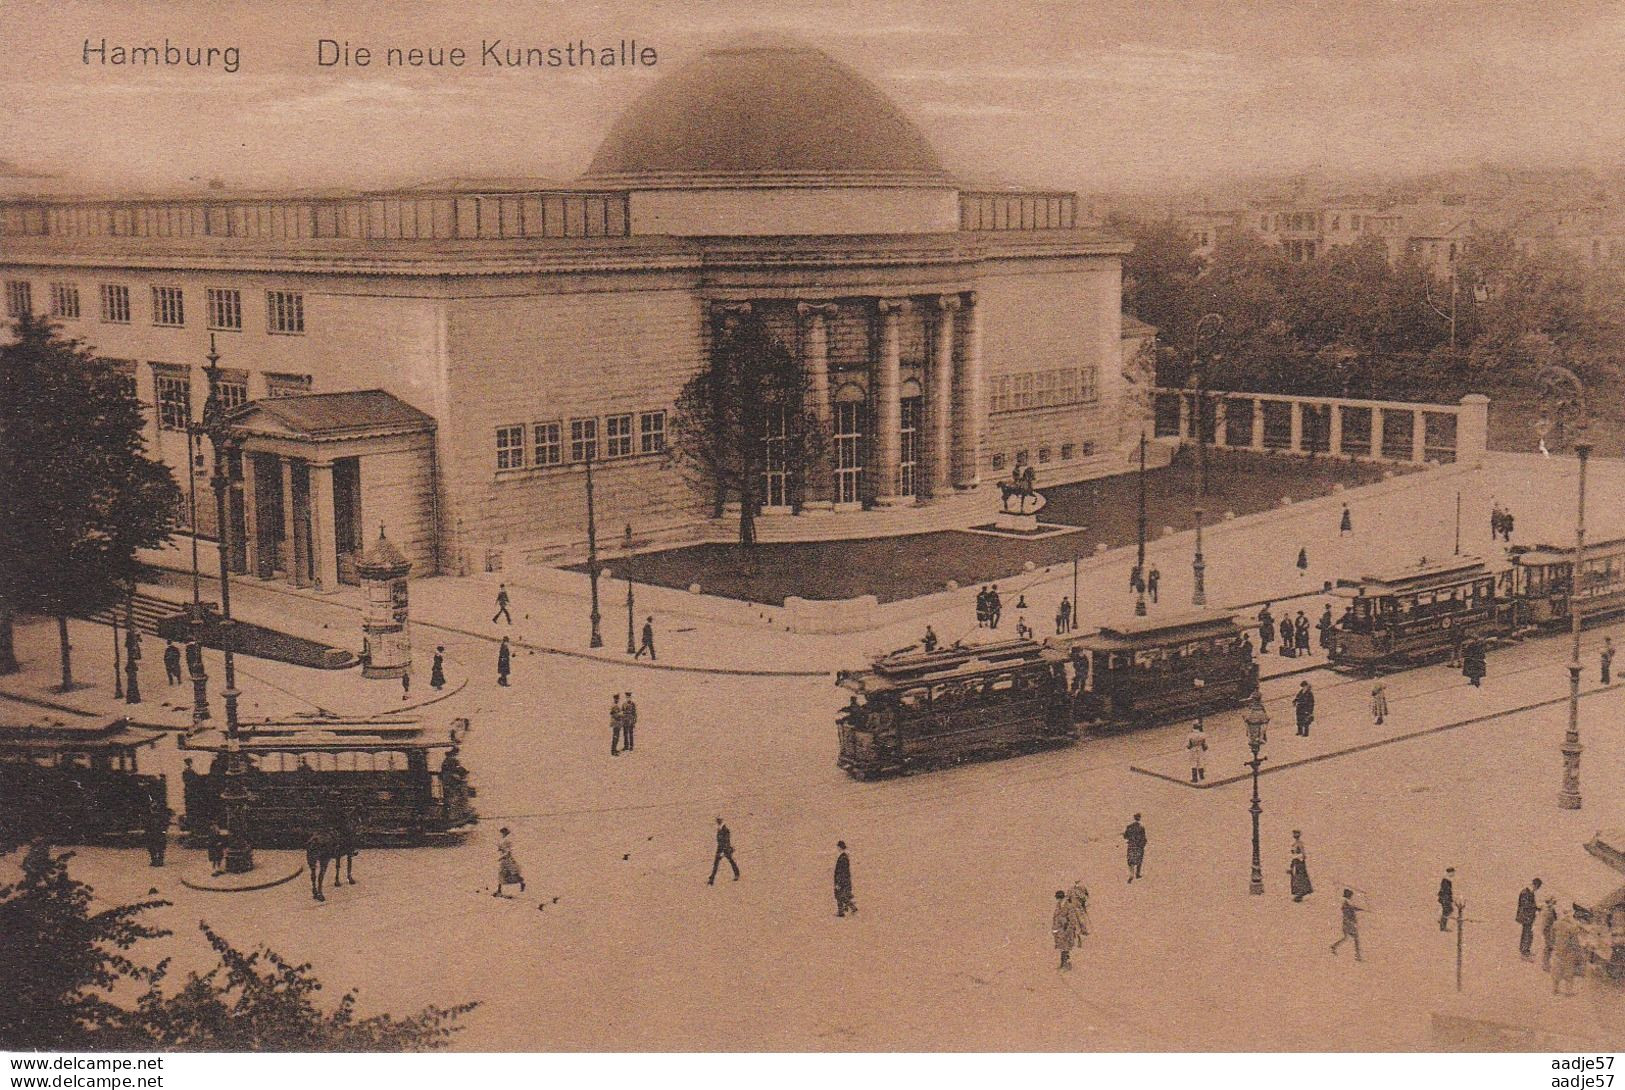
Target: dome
<point x="786" y="115"/>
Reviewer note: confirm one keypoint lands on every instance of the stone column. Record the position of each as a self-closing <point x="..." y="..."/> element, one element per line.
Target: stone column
<point x="251" y="517"/>
<point x="1184" y="414"/>
<point x="1419" y="436"/>
<point x="1221" y="417"/>
<point x="293" y="561"/>
<point x="1258" y="424"/>
<point x="1296" y="443"/>
<point x="1472" y="430"/>
<point x="887" y="385"/>
<point x="940" y="399"/>
<point x="1334" y="430"/>
<point x="819" y="491"/>
<point x="1376" y="432"/>
<point x="969" y="414"/>
<point x="324" y="540"/>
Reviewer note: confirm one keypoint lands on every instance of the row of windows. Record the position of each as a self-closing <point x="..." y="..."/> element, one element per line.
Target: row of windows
<point x="284" y="310"/>
<point x="1046" y="455"/>
<point x="1308" y="221"/>
<point x="1017" y="211"/>
<point x="520" y="215"/>
<point x="1041" y="389"/>
<point x="543" y="444"/>
<point x="172" y="390"/>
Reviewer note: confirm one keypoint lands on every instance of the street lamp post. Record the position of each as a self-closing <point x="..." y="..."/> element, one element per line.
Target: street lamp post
<point x="1257" y="720"/>
<point x="235" y="794"/>
<point x="597" y="637"/>
<point x="1198" y="385"/>
<point x="1563" y="404"/>
<point x="194" y="643"/>
<point x="132" y="649"/>
<point x="631" y="641"/>
<point x="1139" y="562"/>
<point x="1199" y="567"/>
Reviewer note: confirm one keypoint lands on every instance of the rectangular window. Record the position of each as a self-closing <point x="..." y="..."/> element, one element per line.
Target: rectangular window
<point x="115" y="303"/>
<point x="225" y="307"/>
<point x="64" y="300"/>
<point x="652" y="432"/>
<point x="285" y="311"/>
<point x="233" y="389"/>
<point x="168" y="307"/>
<point x="19" y="298"/>
<point x="549" y="445"/>
<point x="511" y="447"/>
<point x="618" y="435"/>
<point x="277" y="385"/>
<point x="583" y="439"/>
<point x="172" y="387"/>
<point x="1067" y="450"/>
<point x="1089" y="384"/>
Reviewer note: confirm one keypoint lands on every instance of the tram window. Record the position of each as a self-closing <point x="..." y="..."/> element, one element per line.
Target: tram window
<point x="1001" y="684"/>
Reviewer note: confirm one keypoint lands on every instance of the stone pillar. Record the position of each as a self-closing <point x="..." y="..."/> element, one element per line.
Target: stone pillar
<point x="324" y="541"/>
<point x="969" y="415"/>
<point x="819" y="492"/>
<point x="1376" y="432"/>
<point x="1419" y="436"/>
<point x="294" y="561"/>
<point x="1184" y="415"/>
<point x="887" y="385"/>
<point x="251" y="517"/>
<point x="1221" y="415"/>
<point x="940" y="399"/>
<point x="1472" y="430"/>
<point x="1334" y="430"/>
<point x="1258" y="424"/>
<point x="1296" y="443"/>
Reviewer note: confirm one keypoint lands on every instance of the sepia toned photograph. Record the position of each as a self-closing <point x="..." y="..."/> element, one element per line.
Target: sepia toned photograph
<point x="1128" y="495"/>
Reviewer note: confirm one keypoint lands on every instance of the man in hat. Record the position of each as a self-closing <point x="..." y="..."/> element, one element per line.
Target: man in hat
<point x="1153" y="581"/>
<point x="502" y="605"/>
<point x="617" y="725"/>
<point x="1196" y="746"/>
<point x="629" y="722"/>
<point x="648" y="643"/>
<point x="844" y="902"/>
<point x="725" y="850"/>
<point x="1351" y="924"/>
<point x="1136" y="838"/>
<point x="1303" y="705"/>
<point x="1547" y="921"/>
<point x="172" y="663"/>
<point x="1525" y="918"/>
<point x="1266" y="629"/>
<point x="1447" y="897"/>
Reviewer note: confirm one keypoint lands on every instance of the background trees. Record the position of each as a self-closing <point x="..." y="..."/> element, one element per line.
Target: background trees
<point x="79" y="494"/>
<point x="723" y="415"/>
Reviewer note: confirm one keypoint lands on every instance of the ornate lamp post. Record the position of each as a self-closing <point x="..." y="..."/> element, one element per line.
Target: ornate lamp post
<point x="1563" y="412"/>
<point x="132" y="649"/>
<point x="235" y="795"/>
<point x="1257" y="719"/>
<point x="1139" y="562"/>
<point x="194" y="642"/>
<point x="1199" y="567"/>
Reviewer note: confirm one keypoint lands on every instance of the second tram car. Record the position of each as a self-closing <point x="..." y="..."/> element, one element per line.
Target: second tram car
<point x="1546" y="578"/>
<point x="1421" y="613"/>
<point x="73" y="785"/>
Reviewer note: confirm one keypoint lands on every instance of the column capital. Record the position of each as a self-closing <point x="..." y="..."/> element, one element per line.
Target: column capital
<point x="949" y="302"/>
<point x="888" y="307"/>
<point x="720" y="307"/>
<point x="817" y="310"/>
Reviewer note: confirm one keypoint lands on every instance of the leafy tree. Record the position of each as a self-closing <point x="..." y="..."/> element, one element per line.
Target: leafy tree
<point x="72" y="985"/>
<point x="80" y="495"/>
<point x="719" y="427"/>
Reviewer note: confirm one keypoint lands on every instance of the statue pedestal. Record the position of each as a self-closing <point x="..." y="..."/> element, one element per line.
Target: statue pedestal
<point x="1008" y="520"/>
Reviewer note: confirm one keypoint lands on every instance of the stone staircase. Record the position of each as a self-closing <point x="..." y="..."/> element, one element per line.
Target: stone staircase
<point x="149" y="610"/>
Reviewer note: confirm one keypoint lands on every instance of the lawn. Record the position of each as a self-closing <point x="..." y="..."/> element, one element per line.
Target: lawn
<point x="896" y="568"/>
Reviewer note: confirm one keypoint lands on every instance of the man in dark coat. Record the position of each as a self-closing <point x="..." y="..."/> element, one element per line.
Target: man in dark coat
<point x="1300" y="632"/>
<point x="502" y="605"/>
<point x="995" y="606"/>
<point x="1153" y="580"/>
<point x="844" y="901"/>
<point x="648" y="643"/>
<point x="617" y="725"/>
<point x="981" y="608"/>
<point x="194" y="658"/>
<point x="172" y="663"/>
<point x="1527" y="912"/>
<point x="504" y="661"/>
<point x="156" y="836"/>
<point x="1346" y="526"/>
<point x="1447" y="897"/>
<point x="1266" y="629"/>
<point x="1289" y="640"/>
<point x="1135" y="836"/>
<point x="629" y="722"/>
<point x="725" y="850"/>
<point x="1303" y="703"/>
<point x="1325" y="626"/>
<point x="1473" y="662"/>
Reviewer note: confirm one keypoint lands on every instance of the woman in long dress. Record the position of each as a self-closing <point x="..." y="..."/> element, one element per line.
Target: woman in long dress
<point x="1078" y="898"/>
<point x="507" y="866"/>
<point x="1064" y="926"/>
<point x="1298" y="868"/>
<point x="1379" y="703"/>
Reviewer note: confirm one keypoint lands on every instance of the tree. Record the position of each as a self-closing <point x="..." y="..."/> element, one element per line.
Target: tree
<point x="81" y="496"/>
<point x="67" y="970"/>
<point x="723" y="414"/>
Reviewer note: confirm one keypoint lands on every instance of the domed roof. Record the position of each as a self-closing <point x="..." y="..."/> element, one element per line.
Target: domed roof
<point x="781" y="114"/>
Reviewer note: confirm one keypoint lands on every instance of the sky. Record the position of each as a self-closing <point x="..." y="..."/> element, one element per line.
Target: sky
<point x="1094" y="94"/>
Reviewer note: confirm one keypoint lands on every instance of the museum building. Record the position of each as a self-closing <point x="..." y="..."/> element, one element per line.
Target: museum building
<point x="444" y="361"/>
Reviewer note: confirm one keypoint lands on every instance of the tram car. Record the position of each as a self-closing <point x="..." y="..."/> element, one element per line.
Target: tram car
<point x="1545" y="577"/>
<point x="77" y="785"/>
<point x="914" y="710"/>
<point x="389" y="781"/>
<point x="1424" y="612"/>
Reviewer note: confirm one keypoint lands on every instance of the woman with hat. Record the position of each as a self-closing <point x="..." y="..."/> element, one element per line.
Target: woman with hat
<point x="507" y="866"/>
<point x="1298" y="868"/>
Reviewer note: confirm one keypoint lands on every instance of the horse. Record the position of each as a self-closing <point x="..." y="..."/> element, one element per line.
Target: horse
<point x="335" y="844"/>
<point x="1020" y="485"/>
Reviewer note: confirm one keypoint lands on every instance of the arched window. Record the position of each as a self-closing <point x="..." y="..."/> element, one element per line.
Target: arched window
<point x="851" y="424"/>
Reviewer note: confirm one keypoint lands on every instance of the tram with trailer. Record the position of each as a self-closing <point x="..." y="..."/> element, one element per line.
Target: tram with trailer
<point x="1546" y="582"/>
<point x="76" y="785"/>
<point x="915" y="710"/>
<point x="392" y="782"/>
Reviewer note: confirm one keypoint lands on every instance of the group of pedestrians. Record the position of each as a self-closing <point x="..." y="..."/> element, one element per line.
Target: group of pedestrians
<point x="1501" y="522"/>
<point x="989" y="607"/>
<point x="1293" y="631"/>
<point x="623" y="724"/>
<point x="1147" y="582"/>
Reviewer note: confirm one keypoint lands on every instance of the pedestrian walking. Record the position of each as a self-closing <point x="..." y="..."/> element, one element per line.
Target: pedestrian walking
<point x="1300" y="633"/>
<point x="508" y="873"/>
<point x="1326" y="626"/>
<point x="617" y="724"/>
<point x="1153" y="580"/>
<point x="1379" y="703"/>
<point x="172" y="663"/>
<point x="1297" y="868"/>
<point x="1473" y="662"/>
<point x="1303" y="706"/>
<point x="1447" y="897"/>
<point x="1136" y="838"/>
<point x="1506" y="526"/>
<point x="844" y="901"/>
<point x="1345" y="526"/>
<point x="1289" y="638"/>
<point x="981" y="607"/>
<point x="1063" y="617"/>
<point x="725" y="850"/>
<point x="1077" y="899"/>
<point x="1546" y="921"/>
<point x="1064" y="927"/>
<point x="1605" y="659"/>
<point x="1134" y="583"/>
<point x="1023" y="630"/>
<point x="504" y="661"/>
<point x="1196" y="745"/>
<point x="648" y="643"/>
<point x="1568" y="953"/>
<point x="629" y="723"/>
<point x="406" y="685"/>
<point x="929" y="640"/>
<point x="502" y="605"/>
<point x="1266" y="629"/>
<point x="1351" y="924"/>
<point x="1525" y="918"/>
<point x="995" y="606"/>
<point x="1303" y="562"/>
<point x="437" y="670"/>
